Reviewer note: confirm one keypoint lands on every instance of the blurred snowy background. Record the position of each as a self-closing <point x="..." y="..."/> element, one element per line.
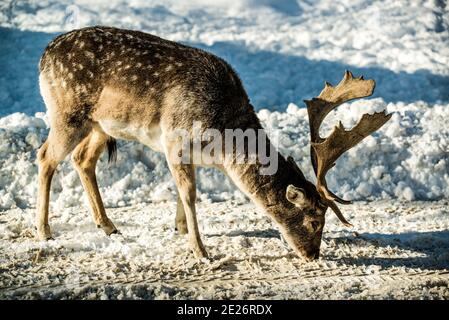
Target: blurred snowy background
<point x="284" y="51"/>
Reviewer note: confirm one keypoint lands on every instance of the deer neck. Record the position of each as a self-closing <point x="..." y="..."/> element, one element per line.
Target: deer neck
<point x="266" y="191"/>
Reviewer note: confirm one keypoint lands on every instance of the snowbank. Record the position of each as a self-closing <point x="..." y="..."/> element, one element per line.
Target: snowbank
<point x="407" y="159"/>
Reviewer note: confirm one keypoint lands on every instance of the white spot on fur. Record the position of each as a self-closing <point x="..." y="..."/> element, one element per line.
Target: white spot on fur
<point x="81" y="88"/>
<point x="89" y="54"/>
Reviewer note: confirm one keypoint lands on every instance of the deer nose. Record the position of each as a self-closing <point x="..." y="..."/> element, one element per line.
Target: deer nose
<point x="313" y="255"/>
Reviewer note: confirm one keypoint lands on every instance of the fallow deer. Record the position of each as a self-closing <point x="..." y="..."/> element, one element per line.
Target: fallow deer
<point x="100" y="84"/>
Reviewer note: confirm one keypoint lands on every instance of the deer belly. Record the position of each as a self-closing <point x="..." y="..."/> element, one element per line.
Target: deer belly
<point x="119" y="130"/>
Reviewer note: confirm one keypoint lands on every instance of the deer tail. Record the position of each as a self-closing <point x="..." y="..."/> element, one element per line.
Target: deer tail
<point x="112" y="149"/>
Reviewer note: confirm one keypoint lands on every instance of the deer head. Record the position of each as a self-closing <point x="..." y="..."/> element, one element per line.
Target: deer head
<point x="312" y="201"/>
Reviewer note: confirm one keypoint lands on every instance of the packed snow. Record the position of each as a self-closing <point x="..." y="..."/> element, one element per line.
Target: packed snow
<point x="283" y="51"/>
<point x="396" y="251"/>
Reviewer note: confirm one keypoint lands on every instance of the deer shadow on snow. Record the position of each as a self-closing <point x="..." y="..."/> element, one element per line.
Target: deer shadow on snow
<point x="273" y="79"/>
<point x="430" y="250"/>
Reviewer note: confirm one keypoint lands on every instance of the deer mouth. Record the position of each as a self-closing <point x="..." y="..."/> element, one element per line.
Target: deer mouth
<point x="308" y="254"/>
<point x="312" y="256"/>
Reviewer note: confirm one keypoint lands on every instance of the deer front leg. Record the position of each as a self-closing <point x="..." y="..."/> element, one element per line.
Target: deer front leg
<point x="180" y="221"/>
<point x="184" y="175"/>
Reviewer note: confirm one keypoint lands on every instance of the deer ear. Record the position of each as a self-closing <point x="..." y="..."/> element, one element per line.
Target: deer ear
<point x="295" y="195"/>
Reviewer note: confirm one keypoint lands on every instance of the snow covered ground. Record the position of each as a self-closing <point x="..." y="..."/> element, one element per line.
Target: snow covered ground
<point x="283" y="51"/>
<point x="397" y="250"/>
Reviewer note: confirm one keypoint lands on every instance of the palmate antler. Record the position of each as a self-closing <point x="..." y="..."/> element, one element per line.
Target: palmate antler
<point x="324" y="152"/>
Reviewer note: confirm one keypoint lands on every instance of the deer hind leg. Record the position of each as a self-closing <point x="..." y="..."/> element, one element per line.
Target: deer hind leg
<point x="180" y="220"/>
<point x="57" y="146"/>
<point x="84" y="158"/>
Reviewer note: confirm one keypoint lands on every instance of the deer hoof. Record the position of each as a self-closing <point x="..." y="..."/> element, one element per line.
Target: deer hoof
<point x="200" y="253"/>
<point x="108" y="227"/>
<point x="44" y="233"/>
<point x="181" y="229"/>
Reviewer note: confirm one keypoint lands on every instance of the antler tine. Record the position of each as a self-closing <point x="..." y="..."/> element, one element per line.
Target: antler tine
<point x="325" y="152"/>
<point x="340" y="141"/>
<point x="339" y="214"/>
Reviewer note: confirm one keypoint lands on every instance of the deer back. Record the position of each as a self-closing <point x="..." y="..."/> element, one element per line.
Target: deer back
<point x="137" y="78"/>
